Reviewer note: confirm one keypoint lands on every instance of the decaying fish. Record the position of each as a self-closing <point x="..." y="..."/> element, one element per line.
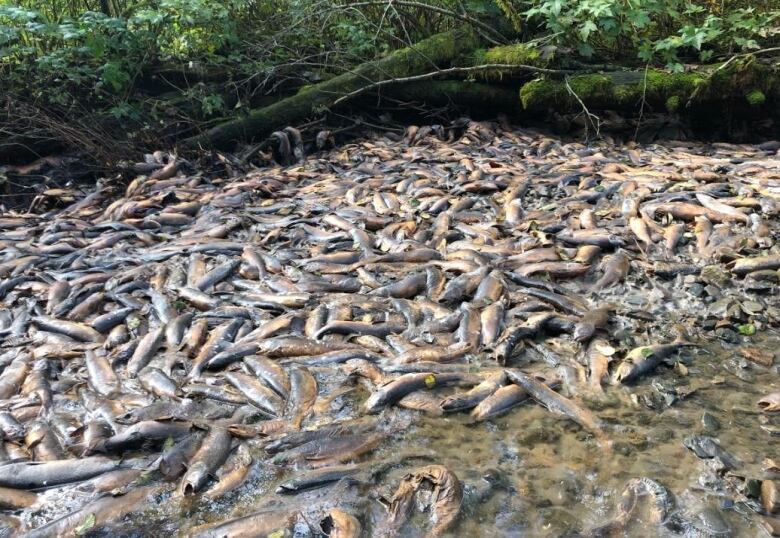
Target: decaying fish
<point x="637" y="493"/>
<point x="208" y="333"/>
<point x="446" y="498"/>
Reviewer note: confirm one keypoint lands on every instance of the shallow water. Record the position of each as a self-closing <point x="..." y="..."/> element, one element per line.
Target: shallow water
<point x="530" y="473"/>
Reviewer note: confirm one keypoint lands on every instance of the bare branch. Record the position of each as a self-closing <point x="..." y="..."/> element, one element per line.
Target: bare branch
<point x="451" y="71"/>
<point x="461" y="16"/>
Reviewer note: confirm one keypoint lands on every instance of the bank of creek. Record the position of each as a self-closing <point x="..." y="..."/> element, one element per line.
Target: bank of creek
<point x="488" y="332"/>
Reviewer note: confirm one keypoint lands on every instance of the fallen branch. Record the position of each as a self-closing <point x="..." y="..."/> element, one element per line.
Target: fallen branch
<point x="440" y="49"/>
<point x="447" y="72"/>
<point x="594" y="119"/>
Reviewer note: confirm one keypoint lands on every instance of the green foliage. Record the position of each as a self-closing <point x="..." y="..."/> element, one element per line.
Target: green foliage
<point x="755" y="98"/>
<point x="673" y="103"/>
<point x="653" y="31"/>
<point x="157" y="70"/>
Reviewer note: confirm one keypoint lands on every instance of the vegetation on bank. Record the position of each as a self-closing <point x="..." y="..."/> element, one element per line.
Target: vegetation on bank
<point x="116" y="76"/>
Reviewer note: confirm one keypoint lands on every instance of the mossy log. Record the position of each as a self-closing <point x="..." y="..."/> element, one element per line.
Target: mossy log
<point x="478" y="98"/>
<point x="435" y="52"/>
<point x="748" y="83"/>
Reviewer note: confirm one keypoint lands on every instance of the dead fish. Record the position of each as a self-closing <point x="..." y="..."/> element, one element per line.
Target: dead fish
<point x="744" y="266"/>
<point x="643" y="360"/>
<point x="257" y="393"/>
<point x="36" y="475"/>
<point x="500" y="401"/>
<point x="406" y="384"/>
<point x="233" y="474"/>
<point x="592" y="320"/>
<point x="435" y="353"/>
<point x="591" y="236"/>
<point x="728" y="212"/>
<point x="257" y="524"/>
<point x="176" y="457"/>
<point x="158" y="382"/>
<point x="639" y="229"/>
<point x="445" y="502"/>
<point x="660" y="505"/>
<point x="77" y="331"/>
<point x="557" y="403"/>
<point x="769" y="403"/>
<point x="272" y="373"/>
<point x="598" y="356"/>
<point x="303" y="394"/>
<point x="672" y="235"/>
<point x="472" y="398"/>
<point x="100" y="513"/>
<point x="340" y="524"/>
<point x="556" y="269"/>
<point x="492" y="322"/>
<point x="211" y="454"/>
<point x="359" y="327"/>
<point x="316" y="478"/>
<point x="148" y="431"/>
<point x="339" y="448"/>
<point x="615" y="268"/>
<point x="147" y="348"/>
<point x="102" y="377"/>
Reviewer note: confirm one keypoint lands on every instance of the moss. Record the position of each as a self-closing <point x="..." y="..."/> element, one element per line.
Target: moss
<point x="595" y="87"/>
<point x="673" y="103"/>
<point x="535" y="94"/>
<point x="619" y="90"/>
<point x="517" y="54"/>
<point x="756" y="98"/>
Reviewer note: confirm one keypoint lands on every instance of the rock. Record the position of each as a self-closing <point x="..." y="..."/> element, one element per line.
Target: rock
<point x="715" y="275"/>
<point x="728" y="335"/>
<point x="696" y="289"/>
<point x="710" y="424"/>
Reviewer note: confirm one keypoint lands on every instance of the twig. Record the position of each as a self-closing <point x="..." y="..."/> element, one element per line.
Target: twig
<point x="588" y="115"/>
<point x="408" y="3"/>
<point x="695" y="92"/>
<point x="753" y="53"/>
<point x="642" y="107"/>
<point x="450" y="71"/>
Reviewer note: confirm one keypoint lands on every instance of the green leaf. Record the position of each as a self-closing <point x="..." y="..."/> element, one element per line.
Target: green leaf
<point x="675" y="67"/>
<point x="586" y="29"/>
<point x="430" y="381"/>
<point x="89" y="522"/>
<point x="646" y="351"/>
<point x="747" y="330"/>
<point x="585" y="50"/>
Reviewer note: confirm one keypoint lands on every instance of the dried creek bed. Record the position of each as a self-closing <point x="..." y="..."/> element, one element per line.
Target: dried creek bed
<point x="502" y="334"/>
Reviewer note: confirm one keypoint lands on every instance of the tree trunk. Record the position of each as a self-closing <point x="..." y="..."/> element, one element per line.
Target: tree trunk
<point x="435" y="52"/>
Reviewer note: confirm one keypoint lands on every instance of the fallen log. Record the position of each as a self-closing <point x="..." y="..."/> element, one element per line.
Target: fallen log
<point x="476" y="98"/>
<point x="752" y="84"/>
<point x="433" y="53"/>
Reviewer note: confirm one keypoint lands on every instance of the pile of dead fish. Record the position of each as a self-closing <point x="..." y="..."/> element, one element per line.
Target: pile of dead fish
<point x="162" y="343"/>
